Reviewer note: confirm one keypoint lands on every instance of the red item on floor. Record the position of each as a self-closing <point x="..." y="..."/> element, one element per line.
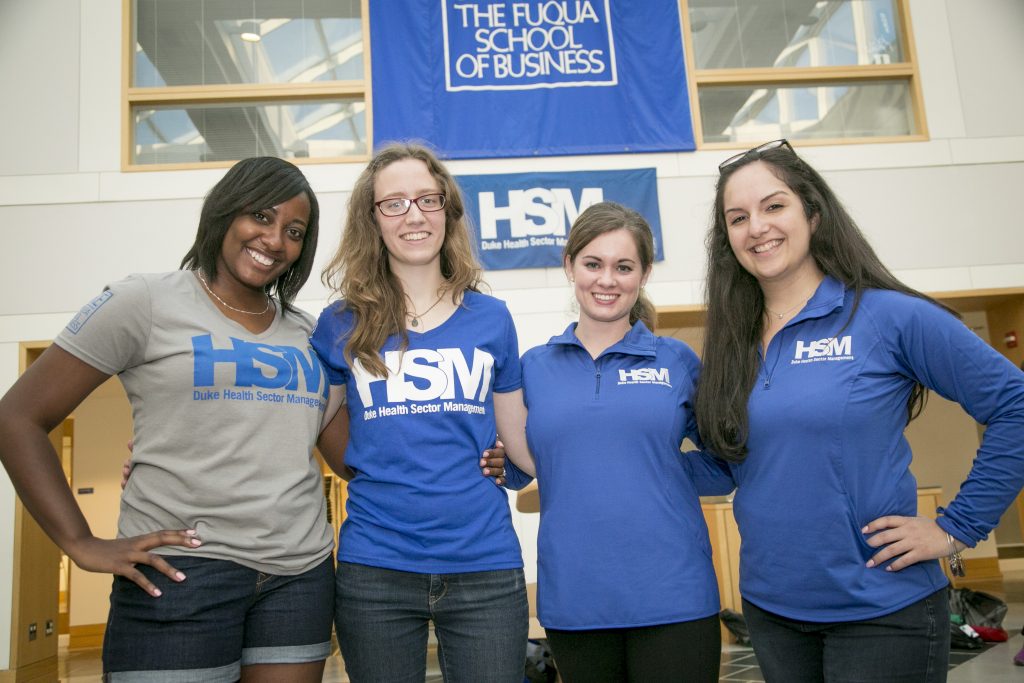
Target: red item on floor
<point x="990" y="634"/>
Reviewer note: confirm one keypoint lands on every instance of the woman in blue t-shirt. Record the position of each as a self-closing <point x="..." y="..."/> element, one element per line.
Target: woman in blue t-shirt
<point x="626" y="588"/>
<point x="815" y="359"/>
<point x="424" y="359"/>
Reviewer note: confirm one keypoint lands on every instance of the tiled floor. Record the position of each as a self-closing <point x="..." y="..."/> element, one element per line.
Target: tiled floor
<point x="739" y="664"/>
<point x="994" y="665"/>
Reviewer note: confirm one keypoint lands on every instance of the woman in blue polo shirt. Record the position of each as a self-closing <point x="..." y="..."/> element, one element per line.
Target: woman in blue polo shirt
<point x="626" y="588"/>
<point x="815" y="359"/>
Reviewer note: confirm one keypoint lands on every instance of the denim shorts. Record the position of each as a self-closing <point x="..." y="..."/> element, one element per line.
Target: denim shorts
<point x="383" y="620"/>
<point x="222" y="617"/>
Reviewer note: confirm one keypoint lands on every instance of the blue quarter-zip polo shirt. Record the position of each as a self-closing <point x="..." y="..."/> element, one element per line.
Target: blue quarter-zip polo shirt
<point x="827" y="453"/>
<point x="622" y="540"/>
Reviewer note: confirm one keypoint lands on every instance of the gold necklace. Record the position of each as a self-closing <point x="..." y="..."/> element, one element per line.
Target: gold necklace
<point x="226" y="304"/>
<point x="415" y="317"/>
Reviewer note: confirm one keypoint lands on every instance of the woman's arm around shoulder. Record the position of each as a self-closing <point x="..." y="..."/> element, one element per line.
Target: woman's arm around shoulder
<point x="333" y="440"/>
<point x="711" y="476"/>
<point x="510" y="416"/>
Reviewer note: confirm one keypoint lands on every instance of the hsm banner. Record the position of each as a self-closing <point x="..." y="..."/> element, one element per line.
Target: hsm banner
<point x="501" y="78"/>
<point x="521" y="220"/>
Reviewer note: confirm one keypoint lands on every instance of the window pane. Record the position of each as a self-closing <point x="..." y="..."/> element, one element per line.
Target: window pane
<point x="736" y="34"/>
<point x="754" y="114"/>
<point x="225" y="132"/>
<point x="200" y="42"/>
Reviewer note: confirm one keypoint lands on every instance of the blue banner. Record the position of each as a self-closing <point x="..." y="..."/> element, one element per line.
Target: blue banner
<point x="493" y="78"/>
<point x="521" y="220"/>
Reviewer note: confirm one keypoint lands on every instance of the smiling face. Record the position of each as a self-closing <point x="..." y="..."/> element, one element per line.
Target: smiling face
<point x="415" y="238"/>
<point x="768" y="230"/>
<point x="261" y="245"/>
<point x="608" y="276"/>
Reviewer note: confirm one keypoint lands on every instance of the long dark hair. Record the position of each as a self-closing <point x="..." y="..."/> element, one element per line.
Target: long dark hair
<point x="735" y="303"/>
<point x="250" y="185"/>
<point x="604" y="217"/>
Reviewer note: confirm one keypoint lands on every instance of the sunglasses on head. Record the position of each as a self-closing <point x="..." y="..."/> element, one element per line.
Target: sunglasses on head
<point x="755" y="151"/>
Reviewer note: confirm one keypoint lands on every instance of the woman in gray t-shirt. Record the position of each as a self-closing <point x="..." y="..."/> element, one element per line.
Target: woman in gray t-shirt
<point x="223" y="556"/>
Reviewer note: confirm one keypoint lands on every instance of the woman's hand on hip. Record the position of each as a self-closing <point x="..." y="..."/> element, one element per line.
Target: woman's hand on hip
<point x="908" y="539"/>
<point x="120" y="556"/>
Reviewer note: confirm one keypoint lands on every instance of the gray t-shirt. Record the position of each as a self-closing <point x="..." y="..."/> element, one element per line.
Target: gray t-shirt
<point x="225" y="421"/>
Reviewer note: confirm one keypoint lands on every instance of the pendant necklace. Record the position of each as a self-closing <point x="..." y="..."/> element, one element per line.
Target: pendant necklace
<point x="226" y="304"/>
<point x="415" y="317"/>
<point x="780" y="315"/>
<point x="786" y="312"/>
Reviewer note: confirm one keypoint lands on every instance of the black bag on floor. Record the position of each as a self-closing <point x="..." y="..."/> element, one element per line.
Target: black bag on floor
<point x="736" y="625"/>
<point x="961" y="639"/>
<point x="540" y="666"/>
<point x="977" y="608"/>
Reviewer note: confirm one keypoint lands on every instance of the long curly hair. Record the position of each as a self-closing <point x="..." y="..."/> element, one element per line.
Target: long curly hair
<point x="360" y="271"/>
<point x="604" y="217"/>
<point x="735" y="303"/>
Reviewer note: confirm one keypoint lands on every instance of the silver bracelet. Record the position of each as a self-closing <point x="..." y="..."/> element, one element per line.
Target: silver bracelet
<point x="955" y="559"/>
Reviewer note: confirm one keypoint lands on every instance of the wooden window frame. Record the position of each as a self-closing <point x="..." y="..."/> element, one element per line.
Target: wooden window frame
<point x="906" y="71"/>
<point x="245" y="93"/>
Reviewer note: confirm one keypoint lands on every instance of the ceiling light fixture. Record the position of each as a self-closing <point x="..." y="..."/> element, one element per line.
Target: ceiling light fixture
<point x="250" y="31"/>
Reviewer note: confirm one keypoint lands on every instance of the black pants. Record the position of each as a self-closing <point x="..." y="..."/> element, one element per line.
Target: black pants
<point x="685" y="652"/>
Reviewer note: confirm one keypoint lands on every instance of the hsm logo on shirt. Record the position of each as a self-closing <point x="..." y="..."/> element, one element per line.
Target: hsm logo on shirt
<point x="645" y="376"/>
<point x="264" y="366"/>
<point x="831" y="348"/>
<point x="427" y="375"/>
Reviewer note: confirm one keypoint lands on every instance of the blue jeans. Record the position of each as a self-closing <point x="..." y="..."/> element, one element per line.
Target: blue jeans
<point x="910" y="645"/>
<point x="480" y="619"/>
<point x="222" y="617"/>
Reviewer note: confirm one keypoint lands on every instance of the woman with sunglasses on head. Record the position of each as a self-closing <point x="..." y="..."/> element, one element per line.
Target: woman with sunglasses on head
<point x="227" y="399"/>
<point x="815" y="358"/>
<point x="429" y="366"/>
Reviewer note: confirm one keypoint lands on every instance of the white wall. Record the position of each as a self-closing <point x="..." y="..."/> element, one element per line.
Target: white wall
<point x="40" y="133"/>
<point x="939" y="212"/>
<point x="103" y="425"/>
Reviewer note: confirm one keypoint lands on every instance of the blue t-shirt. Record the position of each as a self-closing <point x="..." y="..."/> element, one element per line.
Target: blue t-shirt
<point x="418" y="501"/>
<point x="622" y="540"/>
<point x="827" y="453"/>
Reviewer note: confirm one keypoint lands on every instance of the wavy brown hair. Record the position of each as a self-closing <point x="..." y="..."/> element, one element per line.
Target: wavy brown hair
<point x="360" y="272"/>
<point x="735" y="303"/>
<point x="605" y="217"/>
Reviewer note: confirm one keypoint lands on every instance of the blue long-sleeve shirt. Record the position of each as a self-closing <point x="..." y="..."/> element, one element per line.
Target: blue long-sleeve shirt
<point x="827" y="452"/>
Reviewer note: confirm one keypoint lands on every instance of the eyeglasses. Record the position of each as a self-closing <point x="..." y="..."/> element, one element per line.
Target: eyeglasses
<point x="399" y="206"/>
<point x="755" y="151"/>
